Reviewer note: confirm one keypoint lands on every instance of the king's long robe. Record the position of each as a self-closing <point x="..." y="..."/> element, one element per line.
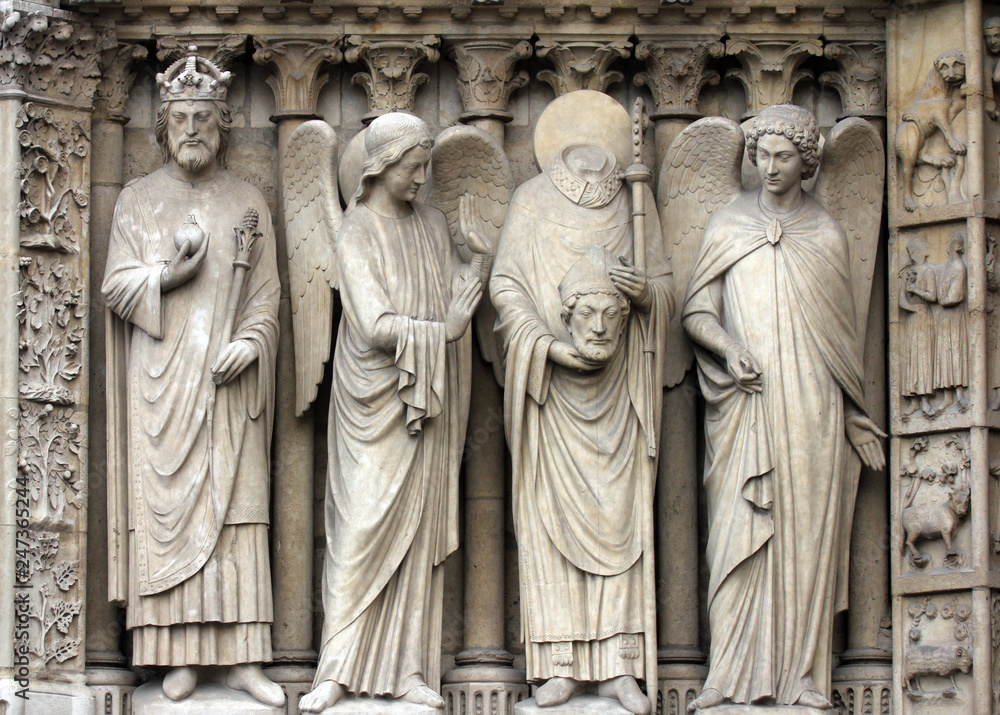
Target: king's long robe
<point x="396" y="432"/>
<point x="580" y="442"/>
<point x="194" y="456"/>
<point x="780" y="474"/>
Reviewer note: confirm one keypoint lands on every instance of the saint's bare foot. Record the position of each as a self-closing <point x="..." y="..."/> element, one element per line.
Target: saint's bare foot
<point x="250" y="678"/>
<point x="321" y="697"/>
<point x="625" y="690"/>
<point x="423" y="695"/>
<point x="556" y="691"/>
<point x="179" y="683"/>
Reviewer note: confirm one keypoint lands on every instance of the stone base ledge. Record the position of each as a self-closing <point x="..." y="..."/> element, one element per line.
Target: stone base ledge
<point x="577" y="705"/>
<point x="208" y="699"/>
<point x="763" y="710"/>
<point x="351" y="705"/>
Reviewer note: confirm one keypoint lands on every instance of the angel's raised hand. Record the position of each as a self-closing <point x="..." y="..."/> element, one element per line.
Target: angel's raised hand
<point x="467" y="226"/>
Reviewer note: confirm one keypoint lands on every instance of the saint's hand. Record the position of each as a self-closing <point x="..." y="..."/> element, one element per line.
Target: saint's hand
<point x="234" y="359"/>
<point x="465" y="297"/>
<point x="566" y="355"/>
<point x="183" y="267"/>
<point x="866" y="438"/>
<point x="633" y="283"/>
<point x="467" y="226"/>
<point x="743" y="368"/>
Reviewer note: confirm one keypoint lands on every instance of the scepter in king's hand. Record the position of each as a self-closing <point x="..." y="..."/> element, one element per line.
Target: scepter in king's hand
<point x="246" y="236"/>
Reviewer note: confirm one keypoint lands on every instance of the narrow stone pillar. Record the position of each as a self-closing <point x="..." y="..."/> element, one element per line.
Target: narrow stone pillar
<point x="770" y="67"/>
<point x="484" y="679"/>
<point x="107" y="670"/>
<point x="865" y="669"/>
<point x="297" y="76"/>
<point x="677" y="71"/>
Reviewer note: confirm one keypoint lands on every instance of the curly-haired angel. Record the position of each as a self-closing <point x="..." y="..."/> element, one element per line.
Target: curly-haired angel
<point x="409" y="284"/>
<point x="776" y="308"/>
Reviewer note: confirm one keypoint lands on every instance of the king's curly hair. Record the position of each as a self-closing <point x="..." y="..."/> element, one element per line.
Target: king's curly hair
<point x="794" y="123"/>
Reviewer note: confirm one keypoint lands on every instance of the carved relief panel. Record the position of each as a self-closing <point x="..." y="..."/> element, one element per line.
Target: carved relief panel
<point x="938" y="638"/>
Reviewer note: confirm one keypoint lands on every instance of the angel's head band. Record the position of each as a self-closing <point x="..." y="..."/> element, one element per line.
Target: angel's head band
<point x="796" y="124"/>
<point x="388" y="138"/>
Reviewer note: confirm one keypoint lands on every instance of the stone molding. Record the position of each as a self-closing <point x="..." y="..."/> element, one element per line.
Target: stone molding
<point x="770" y="67"/>
<point x="486" y="75"/>
<point x="860" y="77"/>
<point x="389" y="78"/>
<point x="117" y="78"/>
<point x="677" y="72"/>
<point x="296" y="78"/>
<point x="581" y="64"/>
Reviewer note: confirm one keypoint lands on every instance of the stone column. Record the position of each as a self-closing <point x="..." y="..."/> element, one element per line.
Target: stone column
<point x="770" y="67"/>
<point x="484" y="674"/>
<point x="46" y="90"/>
<point x="389" y="78"/>
<point x="866" y="665"/>
<point x="677" y="72"/>
<point x="297" y="66"/>
<point x="581" y="63"/>
<point x="945" y="450"/>
<point x="107" y="670"/>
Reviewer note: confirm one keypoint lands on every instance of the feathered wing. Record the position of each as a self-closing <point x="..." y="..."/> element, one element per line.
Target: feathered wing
<point x="312" y="218"/>
<point x="849" y="185"/>
<point x="700" y="174"/>
<point x="468" y="160"/>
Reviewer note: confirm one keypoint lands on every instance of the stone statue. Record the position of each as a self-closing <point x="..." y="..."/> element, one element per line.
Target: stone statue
<point x="991" y="75"/>
<point x="193" y="336"/>
<point x="776" y="308"/>
<point x="401" y="391"/>
<point x="917" y="293"/>
<point x="582" y="330"/>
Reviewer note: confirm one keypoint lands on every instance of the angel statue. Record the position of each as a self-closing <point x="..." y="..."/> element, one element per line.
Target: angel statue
<point x="776" y="307"/>
<point x="583" y="311"/>
<point x="401" y="386"/>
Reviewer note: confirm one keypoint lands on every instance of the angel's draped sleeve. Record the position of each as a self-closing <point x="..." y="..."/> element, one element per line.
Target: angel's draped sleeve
<point x="132" y="279"/>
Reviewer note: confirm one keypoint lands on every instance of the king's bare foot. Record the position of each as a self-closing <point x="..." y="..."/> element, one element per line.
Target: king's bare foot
<point x="180" y="682"/>
<point x="250" y="678"/>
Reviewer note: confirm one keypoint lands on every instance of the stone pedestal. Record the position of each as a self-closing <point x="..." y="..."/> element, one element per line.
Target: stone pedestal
<point x="483" y="684"/>
<point x="578" y="705"/>
<point x="378" y="706"/>
<point x="763" y="710"/>
<point x="207" y="699"/>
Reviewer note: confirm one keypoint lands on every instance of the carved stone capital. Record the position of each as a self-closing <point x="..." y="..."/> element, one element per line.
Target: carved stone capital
<point x="581" y="64"/>
<point x="677" y="73"/>
<point x="117" y="78"/>
<point x="486" y="76"/>
<point x="860" y="76"/>
<point x="48" y="57"/>
<point x="222" y="50"/>
<point x="770" y="68"/>
<point x="389" y="78"/>
<point x="296" y="78"/>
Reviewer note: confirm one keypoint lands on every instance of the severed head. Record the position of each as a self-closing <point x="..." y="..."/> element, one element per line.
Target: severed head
<point x="594" y="311"/>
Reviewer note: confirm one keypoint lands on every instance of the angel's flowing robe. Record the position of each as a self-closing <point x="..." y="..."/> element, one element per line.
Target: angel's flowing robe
<point x="195" y="455"/>
<point x="780" y="474"/>
<point x="579" y="441"/>
<point x="397" y="427"/>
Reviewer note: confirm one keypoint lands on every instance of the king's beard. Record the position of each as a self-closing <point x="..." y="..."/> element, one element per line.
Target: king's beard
<point x="194" y="157"/>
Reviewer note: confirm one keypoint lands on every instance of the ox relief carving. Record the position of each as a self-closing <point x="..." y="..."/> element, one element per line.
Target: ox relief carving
<point x="930" y="142"/>
<point x="51" y="313"/>
<point x="938" y="648"/>
<point x="934" y="345"/>
<point x="935" y="476"/>
<point x="55" y="176"/>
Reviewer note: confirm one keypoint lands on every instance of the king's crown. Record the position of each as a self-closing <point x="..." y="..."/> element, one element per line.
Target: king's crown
<point x="193" y="78"/>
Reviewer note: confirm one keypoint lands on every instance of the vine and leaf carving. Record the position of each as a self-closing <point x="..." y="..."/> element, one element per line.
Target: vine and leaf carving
<point x="52" y="613"/>
<point x="48" y="461"/>
<point x="51" y="313"/>
<point x="938" y="660"/>
<point x="55" y="203"/>
<point x="938" y="472"/>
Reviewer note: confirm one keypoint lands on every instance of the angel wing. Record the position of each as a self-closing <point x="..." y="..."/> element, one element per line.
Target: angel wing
<point x="849" y="184"/>
<point x="700" y="174"/>
<point x="468" y="160"/>
<point x="312" y="218"/>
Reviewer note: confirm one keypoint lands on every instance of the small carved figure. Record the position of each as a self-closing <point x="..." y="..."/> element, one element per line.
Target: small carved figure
<point x="401" y="388"/>
<point x="918" y="291"/>
<point x="991" y="75"/>
<point x="936" y="106"/>
<point x="775" y="307"/>
<point x="193" y="336"/>
<point x="951" y="341"/>
<point x="936" y="521"/>
<point x="941" y="660"/>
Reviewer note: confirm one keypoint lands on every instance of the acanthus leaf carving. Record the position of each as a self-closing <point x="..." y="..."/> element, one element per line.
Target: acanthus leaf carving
<point x="221" y="50"/>
<point x="389" y="78"/>
<point x="486" y="75"/>
<point x="677" y="72"/>
<point x="117" y="79"/>
<point x="296" y="79"/>
<point x="860" y="77"/>
<point x="770" y="68"/>
<point x="581" y="64"/>
<point x="55" y="176"/>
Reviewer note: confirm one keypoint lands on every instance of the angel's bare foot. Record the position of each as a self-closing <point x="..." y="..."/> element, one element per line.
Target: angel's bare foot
<point x="179" y="683"/>
<point x="709" y="698"/>
<point x="321" y="697"/>
<point x="556" y="691"/>
<point x="423" y="695"/>
<point x="250" y="678"/>
<point x="625" y="690"/>
<point x="814" y="699"/>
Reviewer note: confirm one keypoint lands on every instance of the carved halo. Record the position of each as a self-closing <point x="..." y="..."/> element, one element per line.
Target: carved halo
<point x="583" y="117"/>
